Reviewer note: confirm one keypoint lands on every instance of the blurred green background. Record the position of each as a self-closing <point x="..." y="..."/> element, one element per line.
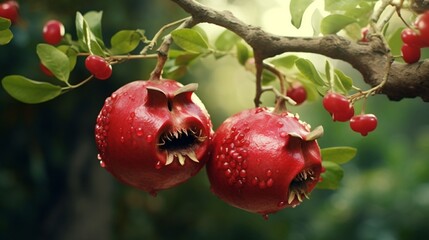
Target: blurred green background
<point x="52" y="187"/>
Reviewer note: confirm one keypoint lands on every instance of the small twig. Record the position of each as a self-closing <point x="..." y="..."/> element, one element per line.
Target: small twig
<point x="155" y="38"/>
<point x="259" y="68"/>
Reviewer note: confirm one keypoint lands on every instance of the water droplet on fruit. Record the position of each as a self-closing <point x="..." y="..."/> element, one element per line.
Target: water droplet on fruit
<point x="228" y="172"/>
<point x="139" y="132"/>
<point x="283" y="134"/>
<point x="99" y="156"/>
<point x="280" y="124"/>
<point x="265" y="216"/>
<point x="269" y="173"/>
<point x="122" y="139"/>
<point x="281" y="204"/>
<point x="158" y="165"/>
<point x="270" y="182"/>
<point x="243" y="173"/>
<point x="149" y="138"/>
<point x="102" y="164"/>
<point x="114" y="95"/>
<point x="255" y="181"/>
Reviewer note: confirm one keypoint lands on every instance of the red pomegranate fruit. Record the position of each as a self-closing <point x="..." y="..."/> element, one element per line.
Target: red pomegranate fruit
<point x="262" y="161"/>
<point x="153" y="134"/>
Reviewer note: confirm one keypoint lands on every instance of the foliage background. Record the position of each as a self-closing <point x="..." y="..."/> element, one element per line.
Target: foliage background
<point x="52" y="187"/>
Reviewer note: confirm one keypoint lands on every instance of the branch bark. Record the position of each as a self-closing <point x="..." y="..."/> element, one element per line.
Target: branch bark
<point x="370" y="59"/>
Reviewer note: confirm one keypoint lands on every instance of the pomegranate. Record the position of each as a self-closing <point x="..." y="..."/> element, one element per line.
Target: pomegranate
<point x="153" y="134"/>
<point x="262" y="161"/>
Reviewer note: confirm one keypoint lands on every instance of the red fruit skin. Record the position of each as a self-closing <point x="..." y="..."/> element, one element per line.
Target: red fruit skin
<point x="255" y="156"/>
<point x="53" y="32"/>
<point x="103" y="75"/>
<point x="412" y="38"/>
<point x="131" y="129"/>
<point x="9" y="10"/>
<point x="98" y="67"/>
<point x="410" y="54"/>
<point x="363" y="123"/>
<point x="335" y="103"/>
<point x="422" y="24"/>
<point x="45" y="70"/>
<point x="298" y="94"/>
<point x="344" y="116"/>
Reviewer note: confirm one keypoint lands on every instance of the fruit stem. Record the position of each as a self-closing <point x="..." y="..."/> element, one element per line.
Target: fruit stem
<point x="259" y="69"/>
<point x="281" y="95"/>
<point x="165" y="46"/>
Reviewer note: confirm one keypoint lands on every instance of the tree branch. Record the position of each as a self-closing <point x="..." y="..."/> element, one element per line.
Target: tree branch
<point x="404" y="80"/>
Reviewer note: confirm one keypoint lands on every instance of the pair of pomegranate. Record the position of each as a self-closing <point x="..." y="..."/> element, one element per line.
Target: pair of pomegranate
<point x="156" y="134"/>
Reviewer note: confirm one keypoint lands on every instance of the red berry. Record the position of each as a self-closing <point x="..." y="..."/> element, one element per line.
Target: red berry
<point x="154" y="134"/>
<point x="335" y="103"/>
<point x="422" y="24"/>
<point x="363" y="123"/>
<point x="262" y="162"/>
<point x="345" y="115"/>
<point x="298" y="94"/>
<point x="53" y="32"/>
<point x="410" y="54"/>
<point x="412" y="38"/>
<point x="45" y="70"/>
<point x="98" y="67"/>
<point x="9" y="10"/>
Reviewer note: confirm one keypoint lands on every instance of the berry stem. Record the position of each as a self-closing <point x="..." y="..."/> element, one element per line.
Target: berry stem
<point x="259" y="69"/>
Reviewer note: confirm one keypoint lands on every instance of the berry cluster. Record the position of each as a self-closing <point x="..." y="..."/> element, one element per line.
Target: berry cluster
<point x="415" y="39"/>
<point x="342" y="110"/>
<point x="9" y="10"/>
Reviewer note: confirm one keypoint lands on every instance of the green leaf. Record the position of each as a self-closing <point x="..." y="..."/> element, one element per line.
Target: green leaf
<point x="4" y="23"/>
<point x="307" y="68"/>
<point x="332" y="176"/>
<point x="176" y="72"/>
<point x="334" y="23"/>
<point x="345" y="80"/>
<point x="125" y="41"/>
<point x="343" y="5"/>
<point x="316" y="18"/>
<point x="328" y="71"/>
<point x="297" y="9"/>
<point x="185" y="59"/>
<point x="80" y="31"/>
<point x="93" y="19"/>
<point x="201" y="31"/>
<point x="286" y="61"/>
<point x="339" y="155"/>
<point x="242" y="52"/>
<point x="87" y="39"/>
<point x="190" y="40"/>
<point x="5" y="36"/>
<point x="55" y="60"/>
<point x="29" y="91"/>
<point x="71" y="53"/>
<point x="226" y="40"/>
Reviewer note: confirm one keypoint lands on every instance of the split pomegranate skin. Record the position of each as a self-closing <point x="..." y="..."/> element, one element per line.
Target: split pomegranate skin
<point x="153" y="134"/>
<point x="262" y="161"/>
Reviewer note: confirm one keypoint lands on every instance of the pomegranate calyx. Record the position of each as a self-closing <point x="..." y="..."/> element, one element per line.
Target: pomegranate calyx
<point x="189" y="88"/>
<point x="315" y="134"/>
